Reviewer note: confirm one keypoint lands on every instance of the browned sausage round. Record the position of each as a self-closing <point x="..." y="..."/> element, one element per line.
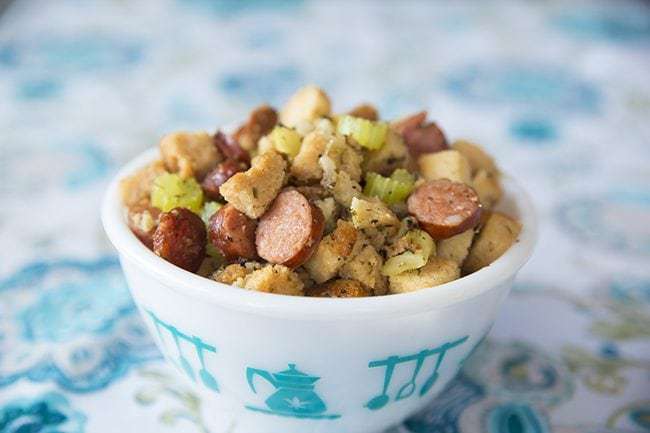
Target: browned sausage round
<point x="230" y="148"/>
<point x="233" y="233"/>
<point x="340" y="289"/>
<point x="289" y="232"/>
<point x="425" y="139"/>
<point x="420" y="137"/>
<point x="445" y="208"/>
<point x="260" y="122"/>
<point x="180" y="238"/>
<point x="219" y="175"/>
<point x="408" y="123"/>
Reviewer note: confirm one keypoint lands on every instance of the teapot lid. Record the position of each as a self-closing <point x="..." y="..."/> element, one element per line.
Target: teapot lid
<point x="293" y="375"/>
<point x="292" y="371"/>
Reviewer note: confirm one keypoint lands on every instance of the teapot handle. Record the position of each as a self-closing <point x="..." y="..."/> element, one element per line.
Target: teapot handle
<point x="250" y="375"/>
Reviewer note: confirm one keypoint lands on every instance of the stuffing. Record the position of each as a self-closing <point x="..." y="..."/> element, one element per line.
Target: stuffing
<point x="340" y="288"/>
<point x="456" y="247"/>
<point x="477" y="158"/>
<point x="332" y="252"/>
<point x="392" y="155"/>
<point x="308" y="103"/>
<point x="374" y="219"/>
<point x="365" y="111"/>
<point x="498" y="233"/>
<point x="135" y="190"/>
<point x="446" y="164"/>
<point x="190" y="154"/>
<point x="305" y="167"/>
<point x="274" y="279"/>
<point x="437" y="271"/>
<point x="488" y="188"/>
<point x="365" y="267"/>
<point x="251" y="192"/>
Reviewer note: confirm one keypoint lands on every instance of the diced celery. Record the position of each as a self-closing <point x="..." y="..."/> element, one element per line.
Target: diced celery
<point x="420" y="246"/>
<point x="169" y="190"/>
<point x="209" y="209"/>
<point x="368" y="134"/>
<point x="285" y="140"/>
<point x="419" y="242"/>
<point x="404" y="262"/>
<point x="390" y="190"/>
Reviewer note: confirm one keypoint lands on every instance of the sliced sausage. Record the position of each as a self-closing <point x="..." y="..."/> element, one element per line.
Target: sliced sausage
<point x="233" y="233"/>
<point x="341" y="288"/>
<point x="425" y="139"/>
<point x="410" y="122"/>
<point x="142" y="220"/>
<point x="260" y="122"/>
<point x="289" y="232"/>
<point x="219" y="175"/>
<point x="230" y="148"/>
<point x="420" y="137"/>
<point x="180" y="238"/>
<point x="445" y="208"/>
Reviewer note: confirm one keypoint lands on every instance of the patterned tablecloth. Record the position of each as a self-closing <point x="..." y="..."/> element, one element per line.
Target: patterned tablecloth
<point x="560" y="92"/>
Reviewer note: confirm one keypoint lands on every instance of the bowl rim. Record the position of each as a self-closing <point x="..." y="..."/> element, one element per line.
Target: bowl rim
<point x="300" y="307"/>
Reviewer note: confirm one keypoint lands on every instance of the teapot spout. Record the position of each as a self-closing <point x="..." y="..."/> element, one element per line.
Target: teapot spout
<point x="250" y="376"/>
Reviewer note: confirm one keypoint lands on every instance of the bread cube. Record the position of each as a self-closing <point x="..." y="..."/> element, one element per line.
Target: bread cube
<point x="252" y="191"/>
<point x="305" y="167"/>
<point x="498" y="233"/>
<point x="437" y="271"/>
<point x="446" y="164"/>
<point x="135" y="190"/>
<point x="488" y="188"/>
<point x="477" y="157"/>
<point x="276" y="279"/>
<point x="190" y="154"/>
<point x="365" y="267"/>
<point x="332" y="252"/>
<point x="308" y="103"/>
<point x="456" y="247"/>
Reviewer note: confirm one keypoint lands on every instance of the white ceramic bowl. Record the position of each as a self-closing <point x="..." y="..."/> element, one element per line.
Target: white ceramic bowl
<point x="266" y="363"/>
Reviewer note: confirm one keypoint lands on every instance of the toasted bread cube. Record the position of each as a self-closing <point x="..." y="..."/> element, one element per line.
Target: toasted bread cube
<point x="275" y="279"/>
<point x="305" y="166"/>
<point x="190" y="154"/>
<point x="477" y="157"/>
<point x="136" y="189"/>
<point x="392" y="155"/>
<point x="456" y="247"/>
<point x="488" y="188"/>
<point x="232" y="274"/>
<point x="365" y="267"/>
<point x="372" y="213"/>
<point x="252" y="191"/>
<point x="437" y="271"/>
<point x="340" y="288"/>
<point x="499" y="232"/>
<point x="332" y="252"/>
<point x="308" y="103"/>
<point x="446" y="164"/>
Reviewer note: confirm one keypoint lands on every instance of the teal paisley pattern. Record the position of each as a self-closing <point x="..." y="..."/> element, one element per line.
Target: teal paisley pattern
<point x="49" y="413"/>
<point x="557" y="92"/>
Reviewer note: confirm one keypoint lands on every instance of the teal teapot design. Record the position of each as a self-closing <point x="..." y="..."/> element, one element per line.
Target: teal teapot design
<point x="294" y="395"/>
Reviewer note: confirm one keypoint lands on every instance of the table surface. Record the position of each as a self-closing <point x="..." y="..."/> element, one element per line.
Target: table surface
<point x="559" y="92"/>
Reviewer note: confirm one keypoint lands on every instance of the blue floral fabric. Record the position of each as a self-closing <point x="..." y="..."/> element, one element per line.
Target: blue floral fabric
<point x="557" y="91"/>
